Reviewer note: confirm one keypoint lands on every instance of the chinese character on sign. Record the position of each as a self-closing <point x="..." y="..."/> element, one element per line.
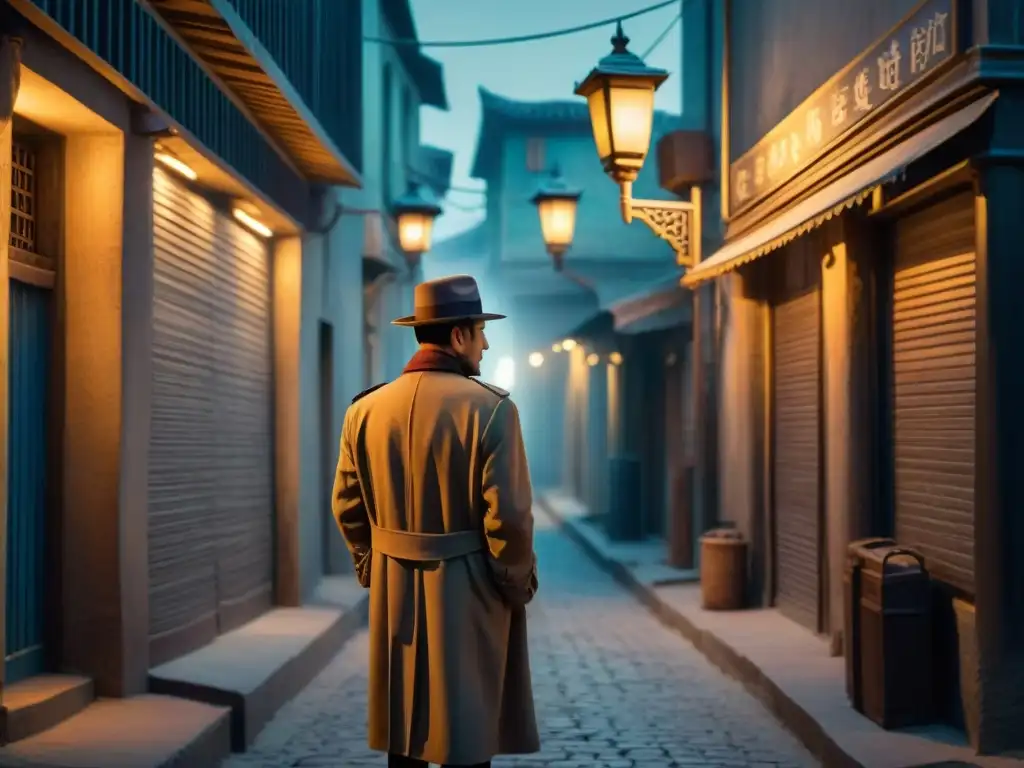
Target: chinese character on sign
<point x="862" y="91"/>
<point x="814" y="126"/>
<point x="743" y="184"/>
<point x="937" y="32"/>
<point x="759" y="172"/>
<point x="920" y="49"/>
<point x="889" y="68"/>
<point x="794" y="147"/>
<point x="777" y="157"/>
<point x="839" y="102"/>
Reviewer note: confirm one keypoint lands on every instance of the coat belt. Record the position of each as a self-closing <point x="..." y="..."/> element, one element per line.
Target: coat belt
<point x="425" y="547"/>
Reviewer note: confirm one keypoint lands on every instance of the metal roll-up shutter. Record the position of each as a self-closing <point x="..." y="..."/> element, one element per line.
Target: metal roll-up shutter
<point x="211" y="444"/>
<point x="796" y="456"/>
<point x="934" y="387"/>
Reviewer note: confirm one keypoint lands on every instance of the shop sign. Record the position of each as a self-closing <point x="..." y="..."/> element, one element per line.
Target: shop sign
<point x="912" y="50"/>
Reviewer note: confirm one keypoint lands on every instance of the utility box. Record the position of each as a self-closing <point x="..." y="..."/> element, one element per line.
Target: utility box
<point x="895" y="637"/>
<point x="855" y="554"/>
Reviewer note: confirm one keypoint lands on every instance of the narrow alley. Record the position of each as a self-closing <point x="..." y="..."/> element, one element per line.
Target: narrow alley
<point x="614" y="689"/>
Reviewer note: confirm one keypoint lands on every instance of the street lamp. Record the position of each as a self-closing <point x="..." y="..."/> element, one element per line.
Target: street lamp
<point x="414" y="215"/>
<point x="620" y="95"/>
<point x="556" y="205"/>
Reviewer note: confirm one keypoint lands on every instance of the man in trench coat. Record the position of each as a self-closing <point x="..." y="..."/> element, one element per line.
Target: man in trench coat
<point x="433" y="498"/>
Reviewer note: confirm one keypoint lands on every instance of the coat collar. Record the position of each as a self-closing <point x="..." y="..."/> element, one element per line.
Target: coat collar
<point x="433" y="359"/>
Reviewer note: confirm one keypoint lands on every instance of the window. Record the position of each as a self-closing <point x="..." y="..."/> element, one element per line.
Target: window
<point x="535" y="155"/>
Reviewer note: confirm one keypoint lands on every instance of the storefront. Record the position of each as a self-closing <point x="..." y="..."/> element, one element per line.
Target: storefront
<point x="859" y="328"/>
<point x="212" y="433"/>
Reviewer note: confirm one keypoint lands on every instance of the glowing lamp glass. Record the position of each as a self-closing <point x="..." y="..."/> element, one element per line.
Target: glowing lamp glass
<point x="536" y="360"/>
<point x="569" y="345"/>
<point x="414" y="231"/>
<point x="557" y="221"/>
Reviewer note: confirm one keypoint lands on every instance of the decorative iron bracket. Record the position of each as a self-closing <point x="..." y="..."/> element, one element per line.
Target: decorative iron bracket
<point x="677" y="222"/>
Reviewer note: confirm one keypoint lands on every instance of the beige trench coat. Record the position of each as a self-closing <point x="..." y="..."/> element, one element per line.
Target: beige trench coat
<point x="439" y="453"/>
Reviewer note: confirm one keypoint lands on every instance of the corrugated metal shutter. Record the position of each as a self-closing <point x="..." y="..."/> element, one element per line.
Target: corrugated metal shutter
<point x="934" y="387"/>
<point x="211" y="454"/>
<point x="796" y="341"/>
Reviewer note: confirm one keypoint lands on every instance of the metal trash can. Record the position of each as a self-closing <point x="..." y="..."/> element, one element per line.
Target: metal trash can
<point x="723" y="570"/>
<point x="855" y="554"/>
<point x="895" y="637"/>
<point x="624" y="521"/>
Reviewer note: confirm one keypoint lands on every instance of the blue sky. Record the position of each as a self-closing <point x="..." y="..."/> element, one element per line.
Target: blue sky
<point x="540" y="70"/>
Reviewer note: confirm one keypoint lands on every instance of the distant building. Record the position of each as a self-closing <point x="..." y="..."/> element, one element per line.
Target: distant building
<point x="398" y="80"/>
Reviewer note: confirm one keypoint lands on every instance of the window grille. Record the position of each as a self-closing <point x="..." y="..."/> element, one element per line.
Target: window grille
<point x="23" y="198"/>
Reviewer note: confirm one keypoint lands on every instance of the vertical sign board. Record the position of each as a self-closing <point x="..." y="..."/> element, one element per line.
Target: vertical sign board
<point x="912" y="50"/>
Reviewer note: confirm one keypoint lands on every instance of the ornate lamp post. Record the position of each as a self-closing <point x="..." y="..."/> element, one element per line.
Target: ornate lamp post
<point x="620" y="94"/>
<point x="556" y="205"/>
<point x="414" y="215"/>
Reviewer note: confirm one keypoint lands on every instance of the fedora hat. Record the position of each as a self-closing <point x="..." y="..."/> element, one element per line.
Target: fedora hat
<point x="445" y="300"/>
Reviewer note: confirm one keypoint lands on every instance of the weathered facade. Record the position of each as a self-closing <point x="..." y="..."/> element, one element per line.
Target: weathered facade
<point x="174" y="325"/>
<point x="870" y="170"/>
<point x="398" y="80"/>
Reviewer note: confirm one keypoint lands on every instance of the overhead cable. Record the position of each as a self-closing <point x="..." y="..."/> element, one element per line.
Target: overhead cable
<point x="518" y="38"/>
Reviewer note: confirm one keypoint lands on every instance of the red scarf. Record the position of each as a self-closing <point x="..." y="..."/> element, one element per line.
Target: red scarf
<point x="433" y="359"/>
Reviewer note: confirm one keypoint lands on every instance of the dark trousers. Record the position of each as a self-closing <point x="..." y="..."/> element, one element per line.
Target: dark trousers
<point x="400" y="761"/>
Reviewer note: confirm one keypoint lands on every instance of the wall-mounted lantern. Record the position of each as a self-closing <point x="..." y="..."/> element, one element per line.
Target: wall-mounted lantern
<point x="620" y="95"/>
<point x="414" y="216"/>
<point x="556" y="205"/>
<point x="536" y="359"/>
<point x="569" y="345"/>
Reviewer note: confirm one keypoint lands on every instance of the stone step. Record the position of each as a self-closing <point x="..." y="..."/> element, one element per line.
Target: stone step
<point x="147" y="731"/>
<point x="39" y="703"/>
<point x="259" y="667"/>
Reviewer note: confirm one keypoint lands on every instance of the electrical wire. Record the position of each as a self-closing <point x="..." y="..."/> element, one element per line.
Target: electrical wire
<point x="464" y="208"/>
<point x="661" y="38"/>
<point x="426" y="178"/>
<point x="518" y="38"/>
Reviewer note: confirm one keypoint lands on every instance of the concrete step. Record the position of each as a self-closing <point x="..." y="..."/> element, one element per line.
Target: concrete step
<point x="259" y="667"/>
<point x="37" y="704"/>
<point x="145" y="731"/>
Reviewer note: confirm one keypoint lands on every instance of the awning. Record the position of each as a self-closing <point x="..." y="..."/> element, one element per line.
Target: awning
<point x="374" y="267"/>
<point x="843" y="193"/>
<point x="216" y="35"/>
<point x="662" y="305"/>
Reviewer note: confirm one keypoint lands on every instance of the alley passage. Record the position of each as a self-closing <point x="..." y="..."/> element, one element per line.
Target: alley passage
<point x="614" y="689"/>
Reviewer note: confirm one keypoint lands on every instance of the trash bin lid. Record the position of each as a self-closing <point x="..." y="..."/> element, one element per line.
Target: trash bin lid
<point x="857" y="550"/>
<point x="723" y="534"/>
<point x="896" y="563"/>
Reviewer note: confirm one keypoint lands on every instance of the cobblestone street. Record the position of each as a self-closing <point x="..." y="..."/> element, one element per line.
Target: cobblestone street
<point x="614" y="688"/>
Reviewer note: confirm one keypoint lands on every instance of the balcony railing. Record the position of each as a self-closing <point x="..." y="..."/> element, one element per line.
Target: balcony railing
<point x="123" y="34"/>
<point x="317" y="44"/>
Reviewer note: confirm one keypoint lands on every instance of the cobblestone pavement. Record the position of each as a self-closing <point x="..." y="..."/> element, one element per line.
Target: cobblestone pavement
<point x="614" y="689"/>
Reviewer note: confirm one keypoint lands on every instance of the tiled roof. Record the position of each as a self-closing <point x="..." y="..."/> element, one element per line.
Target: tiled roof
<point x="500" y="112"/>
<point x="574" y="111"/>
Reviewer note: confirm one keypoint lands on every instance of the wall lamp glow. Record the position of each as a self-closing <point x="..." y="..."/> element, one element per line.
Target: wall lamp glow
<point x="556" y="347"/>
<point x="569" y="345"/>
<point x="593" y="359"/>
<point x="615" y="358"/>
<point x="536" y="360"/>
<point x="176" y="165"/>
<point x="251" y="222"/>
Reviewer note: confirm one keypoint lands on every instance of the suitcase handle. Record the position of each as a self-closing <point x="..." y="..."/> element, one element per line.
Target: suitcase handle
<point x="903" y="551"/>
